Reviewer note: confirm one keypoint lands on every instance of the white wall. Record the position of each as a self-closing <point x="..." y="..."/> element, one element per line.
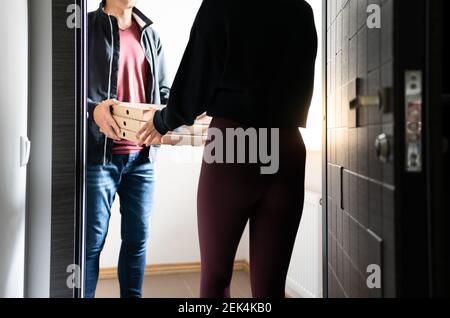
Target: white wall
<point x="13" y="110"/>
<point x="39" y="187"/>
<point x="313" y="182"/>
<point x="174" y="225"/>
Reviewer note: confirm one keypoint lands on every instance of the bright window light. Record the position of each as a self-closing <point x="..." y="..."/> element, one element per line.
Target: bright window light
<point x="313" y="133"/>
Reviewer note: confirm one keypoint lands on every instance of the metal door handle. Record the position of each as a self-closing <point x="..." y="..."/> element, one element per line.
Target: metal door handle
<point x="383" y="148"/>
<point x="381" y="101"/>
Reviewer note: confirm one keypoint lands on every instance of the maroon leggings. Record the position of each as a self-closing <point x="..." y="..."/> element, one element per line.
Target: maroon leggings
<point x="232" y="194"/>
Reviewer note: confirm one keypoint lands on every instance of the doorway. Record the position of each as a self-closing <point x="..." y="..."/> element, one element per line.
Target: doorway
<point x="178" y="170"/>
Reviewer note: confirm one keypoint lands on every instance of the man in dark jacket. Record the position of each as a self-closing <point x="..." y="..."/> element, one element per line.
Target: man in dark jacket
<point x="126" y="63"/>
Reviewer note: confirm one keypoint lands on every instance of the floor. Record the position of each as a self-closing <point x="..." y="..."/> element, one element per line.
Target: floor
<point x="176" y="286"/>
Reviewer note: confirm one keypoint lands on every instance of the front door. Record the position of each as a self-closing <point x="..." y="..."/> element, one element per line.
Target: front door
<point x="377" y="211"/>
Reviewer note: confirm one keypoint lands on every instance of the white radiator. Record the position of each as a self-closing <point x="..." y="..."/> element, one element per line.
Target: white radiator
<point x="305" y="273"/>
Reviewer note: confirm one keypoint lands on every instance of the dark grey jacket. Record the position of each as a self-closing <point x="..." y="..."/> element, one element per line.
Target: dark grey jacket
<point x="103" y="66"/>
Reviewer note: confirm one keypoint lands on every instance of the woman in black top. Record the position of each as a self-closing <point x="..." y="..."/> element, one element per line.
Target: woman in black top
<point x="249" y="64"/>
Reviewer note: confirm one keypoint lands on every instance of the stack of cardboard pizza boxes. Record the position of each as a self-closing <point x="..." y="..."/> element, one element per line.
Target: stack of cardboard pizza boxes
<point x="131" y="118"/>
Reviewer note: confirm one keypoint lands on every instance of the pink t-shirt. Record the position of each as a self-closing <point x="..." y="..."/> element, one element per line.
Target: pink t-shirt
<point x="133" y="78"/>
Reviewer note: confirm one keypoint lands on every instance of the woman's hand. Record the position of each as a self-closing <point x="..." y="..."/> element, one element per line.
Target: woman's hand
<point x="148" y="135"/>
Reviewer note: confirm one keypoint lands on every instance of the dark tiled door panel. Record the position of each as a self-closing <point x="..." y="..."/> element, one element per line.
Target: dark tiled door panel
<point x="360" y="187"/>
<point x="387" y="210"/>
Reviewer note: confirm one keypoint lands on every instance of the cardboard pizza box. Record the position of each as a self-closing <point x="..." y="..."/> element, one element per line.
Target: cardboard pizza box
<point x="129" y="124"/>
<point x="203" y="120"/>
<point x="140" y="112"/>
<point x="128" y="135"/>
<point x="131" y="118"/>
<point x="169" y="139"/>
<point x="135" y="111"/>
<point x="184" y="140"/>
<point x="136" y="125"/>
<point x="195" y="130"/>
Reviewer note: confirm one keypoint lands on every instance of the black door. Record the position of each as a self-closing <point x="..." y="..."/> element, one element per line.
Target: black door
<point x="438" y="115"/>
<point x="379" y="113"/>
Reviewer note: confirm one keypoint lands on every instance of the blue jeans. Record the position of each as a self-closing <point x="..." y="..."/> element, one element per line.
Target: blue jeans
<point x="132" y="178"/>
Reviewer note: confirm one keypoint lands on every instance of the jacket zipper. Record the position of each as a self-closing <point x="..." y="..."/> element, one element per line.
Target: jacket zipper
<point x="152" y="64"/>
<point x="109" y="81"/>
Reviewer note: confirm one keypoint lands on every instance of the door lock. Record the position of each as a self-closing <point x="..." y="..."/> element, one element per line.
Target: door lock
<point x="413" y="121"/>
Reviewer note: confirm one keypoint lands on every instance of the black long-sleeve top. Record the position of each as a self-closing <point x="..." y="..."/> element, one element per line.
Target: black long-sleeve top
<point x="251" y="61"/>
